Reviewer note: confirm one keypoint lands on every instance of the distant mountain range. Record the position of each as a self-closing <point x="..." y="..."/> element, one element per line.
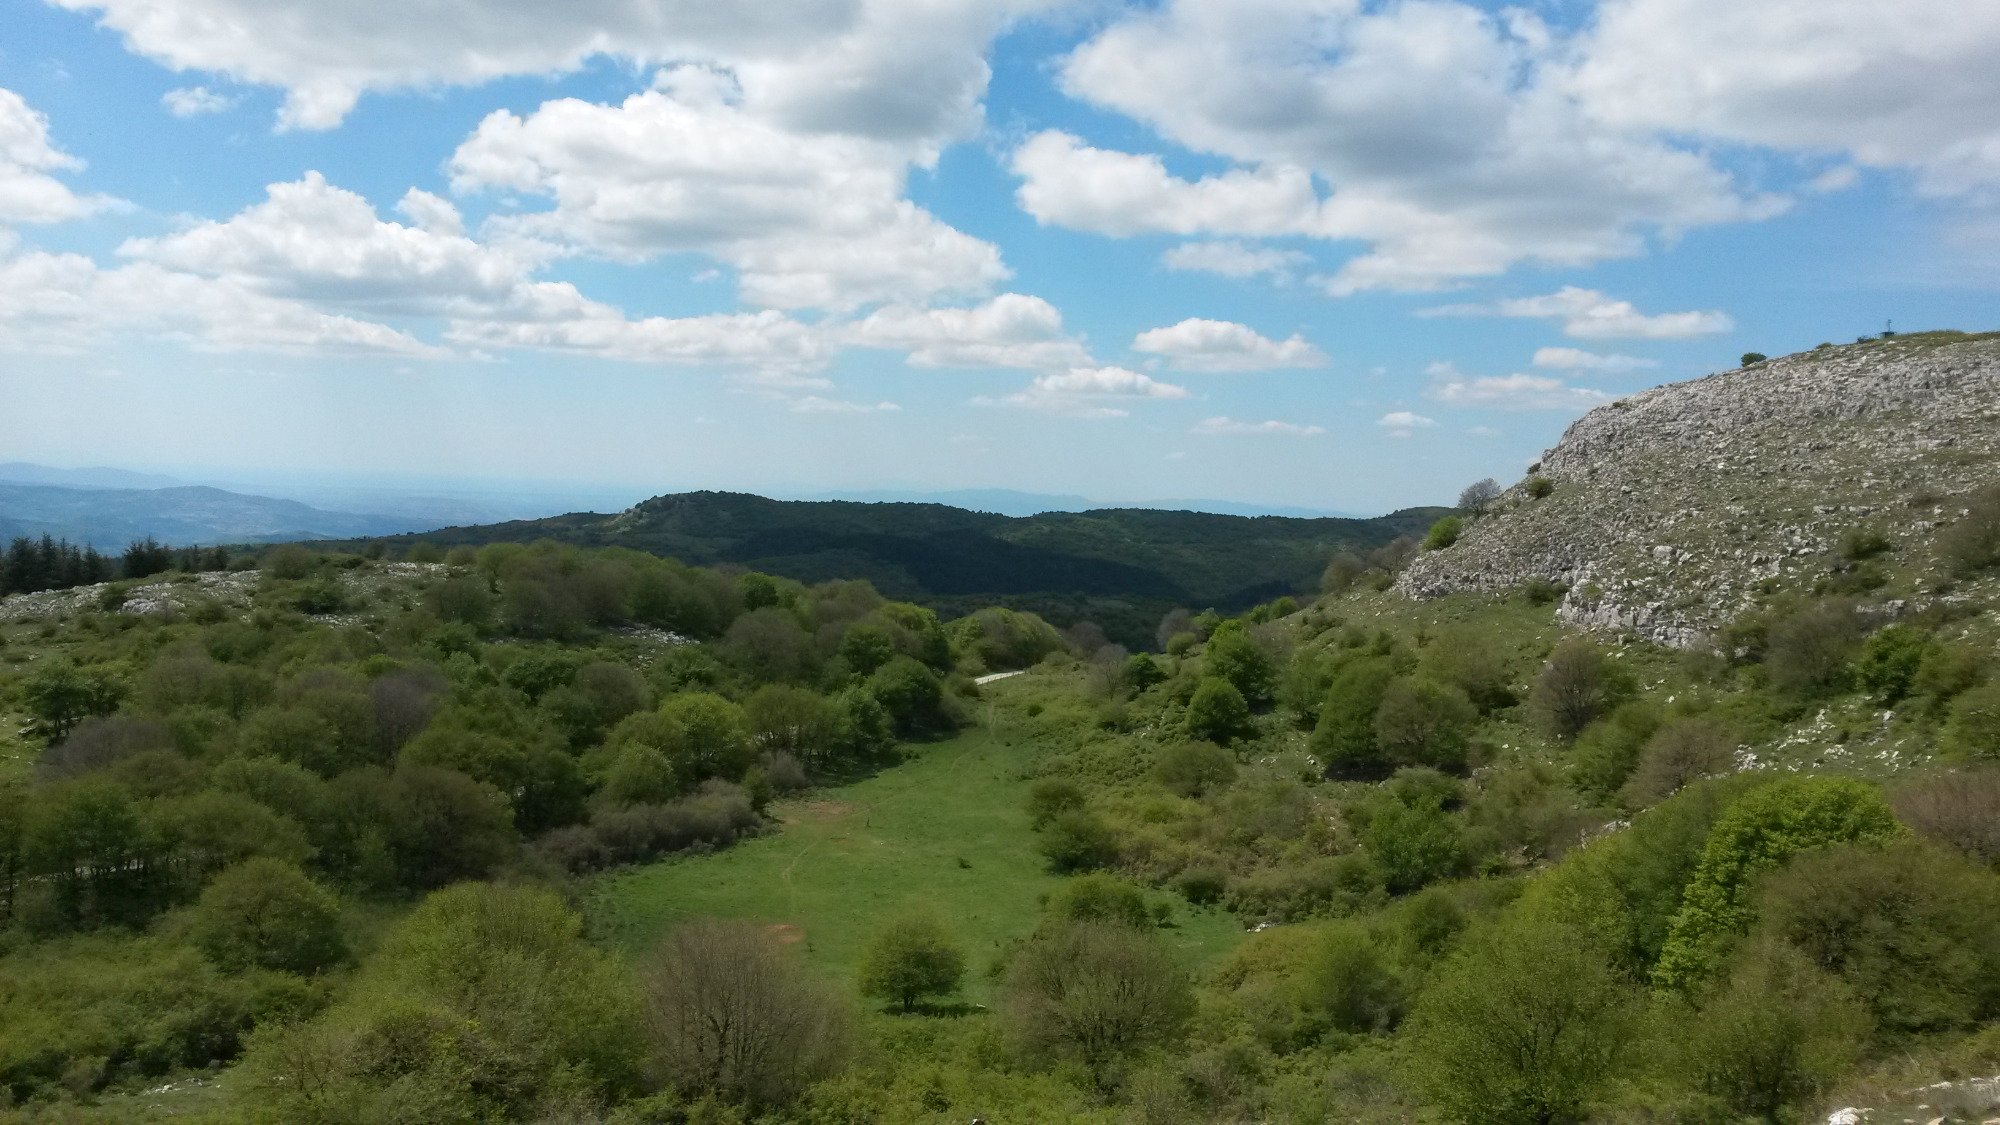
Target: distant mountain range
<point x="1122" y="568"/>
<point x="110" y="518"/>
<point x="1008" y="502"/>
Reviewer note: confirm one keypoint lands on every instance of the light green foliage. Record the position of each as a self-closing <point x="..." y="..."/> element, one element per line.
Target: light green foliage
<point x="1217" y="712"/>
<point x="1077" y="841"/>
<point x="1681" y="752"/>
<point x="1408" y="832"/>
<point x="1351" y="982"/>
<point x="1234" y="656"/>
<point x="264" y="913"/>
<point x="1191" y="769"/>
<point x="1760" y="831"/>
<point x="704" y="735"/>
<point x="866" y="647"/>
<point x="1973" y="729"/>
<point x="1889" y="660"/>
<point x="1973" y="543"/>
<point x="910" y="692"/>
<point x="1444" y="533"/>
<point x="87" y="847"/>
<point x="484" y="1003"/>
<point x="1608" y="749"/>
<point x="1526" y="1023"/>
<point x="1000" y="638"/>
<point x="1051" y="797"/>
<point x="1344" y="738"/>
<point x="1809" y="651"/>
<point x="1142" y="671"/>
<point x="639" y="775"/>
<point x="910" y="959"/>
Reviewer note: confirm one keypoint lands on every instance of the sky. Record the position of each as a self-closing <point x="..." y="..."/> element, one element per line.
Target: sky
<point x="1334" y="254"/>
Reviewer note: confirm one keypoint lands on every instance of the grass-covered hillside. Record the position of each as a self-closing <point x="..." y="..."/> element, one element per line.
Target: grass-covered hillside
<point x="1119" y="568"/>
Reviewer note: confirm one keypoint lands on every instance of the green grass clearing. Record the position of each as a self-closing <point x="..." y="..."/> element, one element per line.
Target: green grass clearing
<point x="847" y="860"/>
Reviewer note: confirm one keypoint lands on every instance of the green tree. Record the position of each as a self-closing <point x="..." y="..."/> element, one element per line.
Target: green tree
<point x="1773" y="1036"/>
<point x="1423" y="723"/>
<point x="910" y="692"/>
<point x="910" y="959"/>
<point x="60" y="695"/>
<point x="1349" y="980"/>
<point x="1578" y="684"/>
<point x="1525" y="1023"/>
<point x="1217" y="711"/>
<point x="1344" y="738"/>
<point x="1887" y="666"/>
<point x="264" y="913"/>
<point x="1973" y="729"/>
<point x="704" y="735"/>
<point x="1234" y="656"/>
<point x="1408" y="833"/>
<point x="1760" y="831"/>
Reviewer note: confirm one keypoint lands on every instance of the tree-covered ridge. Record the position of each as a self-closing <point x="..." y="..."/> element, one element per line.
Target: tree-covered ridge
<point x="1121" y="568"/>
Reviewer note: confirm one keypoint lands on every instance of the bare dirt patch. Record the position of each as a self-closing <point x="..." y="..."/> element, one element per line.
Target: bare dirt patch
<point x="784" y="933"/>
<point x="819" y="812"/>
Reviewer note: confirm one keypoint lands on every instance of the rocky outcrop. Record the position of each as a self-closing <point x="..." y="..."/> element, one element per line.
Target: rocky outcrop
<point x="1675" y="509"/>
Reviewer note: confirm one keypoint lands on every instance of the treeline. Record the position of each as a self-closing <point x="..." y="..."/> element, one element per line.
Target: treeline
<point x="32" y="565"/>
<point x="228" y="780"/>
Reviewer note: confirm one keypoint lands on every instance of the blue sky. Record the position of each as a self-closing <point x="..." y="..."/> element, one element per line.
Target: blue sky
<point x="1325" y="253"/>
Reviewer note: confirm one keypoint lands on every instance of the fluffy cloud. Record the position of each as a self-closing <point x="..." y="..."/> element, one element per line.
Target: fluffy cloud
<point x="1589" y="314"/>
<point x="807" y="220"/>
<point x="1230" y="426"/>
<point x="1448" y="135"/>
<point x="1509" y="392"/>
<point x="886" y="68"/>
<point x="1229" y="258"/>
<point x="1085" y="391"/>
<point x="66" y="303"/>
<point x="1576" y="359"/>
<point x="1919" y="90"/>
<point x="815" y="404"/>
<point x="1220" y="345"/>
<point x="1011" y="330"/>
<point x="1403" y="423"/>
<point x="28" y="193"/>
<point x="193" y="101"/>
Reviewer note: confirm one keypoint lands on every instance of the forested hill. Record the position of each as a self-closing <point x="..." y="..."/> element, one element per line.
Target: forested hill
<point x="1121" y="567"/>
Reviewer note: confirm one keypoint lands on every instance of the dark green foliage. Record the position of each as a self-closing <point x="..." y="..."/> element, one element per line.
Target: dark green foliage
<point x="1094" y="995"/>
<point x="1098" y="897"/>
<point x="1770" y="1038"/>
<point x="1409" y="835"/>
<point x="1077" y="841"/>
<point x="1444" y="533"/>
<point x="1004" y="639"/>
<point x="1912" y="931"/>
<point x="1051" y="797"/>
<point x="1972" y="544"/>
<point x="1351" y="982"/>
<point x="1217" y="712"/>
<point x="1759" y="832"/>
<point x="1142" y="671"/>
<point x="1608" y="749"/>
<point x="1960" y="810"/>
<point x="1972" y="731"/>
<point x="1750" y="358"/>
<point x="1540" y="488"/>
<point x="1525" y="1023"/>
<point x="61" y="695"/>
<point x="1191" y="769"/>
<point x="1577" y="685"/>
<point x="91" y="858"/>
<point x="264" y="913"/>
<point x="911" y="959"/>
<point x="50" y="564"/>
<point x="1420" y="722"/>
<point x="1681" y="752"/>
<point x="1808" y="651"/>
<point x="911" y="693"/>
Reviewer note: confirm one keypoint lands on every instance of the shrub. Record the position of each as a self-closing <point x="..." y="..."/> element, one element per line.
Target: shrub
<point x="1050" y="798"/>
<point x="1344" y="738"/>
<point x="1540" y="488"/>
<point x="1889" y="660"/>
<point x="1578" y="684"/>
<point x="1233" y="656"/>
<point x="1759" y="832"/>
<point x="1808" y="652"/>
<point x="1217" y="712"/>
<point x="1324" y="887"/>
<point x="1753" y="358"/>
<point x="263" y="913"/>
<point x="1959" y="810"/>
<point x="1444" y="533"/>
<point x="1098" y="898"/>
<point x="1409" y="835"/>
<point x="1677" y="755"/>
<point x="1095" y="995"/>
<point x="1775" y="1035"/>
<point x="1423" y="723"/>
<point x="1202" y="884"/>
<point x="1077" y="841"/>
<point x="1972" y="731"/>
<point x="1864" y="541"/>
<point x="909" y="959"/>
<point x="1973" y="543"/>
<point x="1607" y="751"/>
<point x="1190" y="769"/>
<point x="1525" y="1023"/>
<point x="1350" y="982"/>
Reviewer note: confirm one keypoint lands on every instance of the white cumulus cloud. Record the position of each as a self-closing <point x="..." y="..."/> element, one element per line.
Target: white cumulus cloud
<point x="1589" y="314"/>
<point x="1576" y="359"/>
<point x="29" y="192"/>
<point x="1233" y="259"/>
<point x="1011" y="330"/>
<point x="1087" y="392"/>
<point x="1223" y="424"/>
<point x="1196" y="344"/>
<point x="193" y="101"/>
<point x="1509" y="392"/>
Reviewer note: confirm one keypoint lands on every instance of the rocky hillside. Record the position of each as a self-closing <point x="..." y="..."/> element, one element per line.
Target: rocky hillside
<point x="1670" y="512"/>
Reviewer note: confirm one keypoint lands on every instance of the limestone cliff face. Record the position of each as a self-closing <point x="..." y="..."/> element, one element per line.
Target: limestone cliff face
<point x="1675" y="509"/>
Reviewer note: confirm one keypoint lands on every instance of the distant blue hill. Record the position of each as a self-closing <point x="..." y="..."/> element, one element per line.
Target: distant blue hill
<point x="1009" y="502"/>
<point x="188" y="515"/>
